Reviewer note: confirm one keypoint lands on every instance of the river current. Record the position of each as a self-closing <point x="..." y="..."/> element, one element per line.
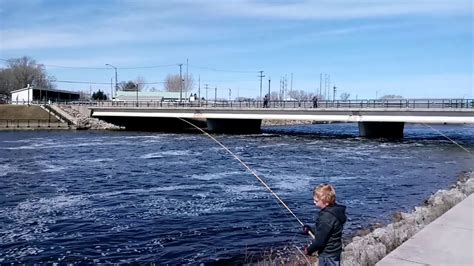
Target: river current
<point x="98" y="197"/>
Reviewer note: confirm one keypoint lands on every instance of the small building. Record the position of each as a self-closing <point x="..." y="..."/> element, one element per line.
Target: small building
<point x="149" y="96"/>
<point x="32" y="94"/>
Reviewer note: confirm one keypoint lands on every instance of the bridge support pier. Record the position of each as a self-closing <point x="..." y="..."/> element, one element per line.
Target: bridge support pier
<point x="381" y="129"/>
<point x="234" y="126"/>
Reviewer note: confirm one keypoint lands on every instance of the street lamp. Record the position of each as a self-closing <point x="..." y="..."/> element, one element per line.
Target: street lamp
<point x="116" y="88"/>
<point x="136" y="87"/>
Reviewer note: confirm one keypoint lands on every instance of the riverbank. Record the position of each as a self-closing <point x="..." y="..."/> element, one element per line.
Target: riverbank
<point x="269" y="123"/>
<point x="372" y="245"/>
<point x="83" y="120"/>
<point x="28" y="117"/>
<point x="448" y="240"/>
<point x="371" y="248"/>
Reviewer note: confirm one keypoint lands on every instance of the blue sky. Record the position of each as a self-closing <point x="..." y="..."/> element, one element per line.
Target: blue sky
<point x="413" y="48"/>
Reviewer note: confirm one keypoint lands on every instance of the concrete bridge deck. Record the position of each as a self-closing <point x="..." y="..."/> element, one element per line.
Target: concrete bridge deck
<point x="375" y="118"/>
<point x="449" y="240"/>
<point x="407" y="115"/>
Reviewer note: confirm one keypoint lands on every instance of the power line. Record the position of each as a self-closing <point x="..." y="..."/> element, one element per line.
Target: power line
<point x="224" y="70"/>
<point x="95" y="82"/>
<point x="156" y="66"/>
<point x="96" y="68"/>
<point x="141" y="67"/>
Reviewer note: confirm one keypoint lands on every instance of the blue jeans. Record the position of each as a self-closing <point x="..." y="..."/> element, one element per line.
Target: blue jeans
<point x="329" y="261"/>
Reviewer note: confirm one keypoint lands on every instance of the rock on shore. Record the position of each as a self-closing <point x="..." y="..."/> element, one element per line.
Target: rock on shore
<point x="267" y="123"/>
<point x="371" y="248"/>
<point x="86" y="122"/>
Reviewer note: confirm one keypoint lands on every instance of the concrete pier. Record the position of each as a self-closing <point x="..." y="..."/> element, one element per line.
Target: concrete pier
<point x="449" y="240"/>
<point x="381" y="129"/>
<point x="234" y="126"/>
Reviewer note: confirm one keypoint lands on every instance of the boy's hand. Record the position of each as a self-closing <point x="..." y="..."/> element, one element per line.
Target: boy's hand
<point x="305" y="251"/>
<point x="307" y="229"/>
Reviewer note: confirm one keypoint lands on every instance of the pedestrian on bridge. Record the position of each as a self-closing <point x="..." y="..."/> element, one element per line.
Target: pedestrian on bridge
<point x="315" y="102"/>
<point x="265" y="101"/>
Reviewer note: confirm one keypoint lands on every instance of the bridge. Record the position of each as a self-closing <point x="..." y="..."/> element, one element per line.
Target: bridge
<point x="376" y="118"/>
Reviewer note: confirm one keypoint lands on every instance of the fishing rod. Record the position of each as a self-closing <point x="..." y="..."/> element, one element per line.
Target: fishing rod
<point x="459" y="145"/>
<point x="250" y="170"/>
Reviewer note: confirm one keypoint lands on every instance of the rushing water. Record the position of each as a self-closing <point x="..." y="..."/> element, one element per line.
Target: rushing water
<point x="90" y="197"/>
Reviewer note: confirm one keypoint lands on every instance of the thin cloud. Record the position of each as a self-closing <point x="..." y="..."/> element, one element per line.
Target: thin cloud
<point x="333" y="9"/>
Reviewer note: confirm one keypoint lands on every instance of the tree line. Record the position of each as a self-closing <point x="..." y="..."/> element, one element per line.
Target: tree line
<point x="21" y="72"/>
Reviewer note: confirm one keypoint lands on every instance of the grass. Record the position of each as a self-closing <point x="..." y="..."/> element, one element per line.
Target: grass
<point x="284" y="256"/>
<point x="14" y="112"/>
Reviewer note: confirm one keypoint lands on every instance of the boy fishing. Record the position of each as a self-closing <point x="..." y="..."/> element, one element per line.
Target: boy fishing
<point x="329" y="226"/>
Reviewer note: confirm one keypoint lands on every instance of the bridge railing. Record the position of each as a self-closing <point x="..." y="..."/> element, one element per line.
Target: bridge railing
<point x="338" y="104"/>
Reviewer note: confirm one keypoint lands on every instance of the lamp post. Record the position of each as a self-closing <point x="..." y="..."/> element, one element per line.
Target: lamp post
<point x="136" y="87"/>
<point x="115" y="68"/>
<point x="180" y="83"/>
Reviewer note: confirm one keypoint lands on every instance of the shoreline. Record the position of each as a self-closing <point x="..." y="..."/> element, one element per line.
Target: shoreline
<point x="371" y="248"/>
<point x="378" y="241"/>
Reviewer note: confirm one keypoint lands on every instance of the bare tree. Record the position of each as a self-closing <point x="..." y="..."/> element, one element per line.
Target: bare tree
<point x="173" y="83"/>
<point x="141" y="82"/>
<point x="274" y="96"/>
<point x="133" y="85"/>
<point x="23" y="71"/>
<point x="301" y="95"/>
<point x="345" y="96"/>
<point x="127" y="86"/>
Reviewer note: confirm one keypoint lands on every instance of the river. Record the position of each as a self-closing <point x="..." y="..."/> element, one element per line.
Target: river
<point x="98" y="197"/>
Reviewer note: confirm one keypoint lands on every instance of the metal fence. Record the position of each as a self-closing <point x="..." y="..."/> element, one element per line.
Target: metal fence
<point x="31" y="123"/>
<point x="392" y="103"/>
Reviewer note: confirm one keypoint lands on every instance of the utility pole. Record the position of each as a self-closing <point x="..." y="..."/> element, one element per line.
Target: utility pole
<point x="187" y="80"/>
<point x="329" y="85"/>
<point x="215" y="95"/>
<point x="291" y="86"/>
<point x="111" y="90"/>
<point x="206" y="86"/>
<point x="334" y="94"/>
<point x="180" y="83"/>
<point x="136" y="87"/>
<point x="320" y="83"/>
<point x="261" y="76"/>
<point x="269" y="92"/>
<point x="230" y="94"/>
<point x="116" y="85"/>
<point x="199" y="89"/>
<point x="280" y="94"/>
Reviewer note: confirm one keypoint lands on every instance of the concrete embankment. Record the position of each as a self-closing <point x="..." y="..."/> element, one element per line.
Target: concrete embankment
<point x="449" y="240"/>
<point x="371" y="248"/>
<point x="24" y="117"/>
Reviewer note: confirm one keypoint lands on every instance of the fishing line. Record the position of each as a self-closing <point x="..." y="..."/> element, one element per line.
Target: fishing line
<point x="249" y="169"/>
<point x="441" y="133"/>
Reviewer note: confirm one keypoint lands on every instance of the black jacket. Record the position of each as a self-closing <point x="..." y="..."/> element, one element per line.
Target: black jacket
<point x="329" y="225"/>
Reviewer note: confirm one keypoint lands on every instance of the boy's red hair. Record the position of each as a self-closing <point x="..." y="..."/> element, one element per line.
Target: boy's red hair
<point x="325" y="193"/>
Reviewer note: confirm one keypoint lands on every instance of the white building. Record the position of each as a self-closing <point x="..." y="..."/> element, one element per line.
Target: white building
<point x="31" y="94"/>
